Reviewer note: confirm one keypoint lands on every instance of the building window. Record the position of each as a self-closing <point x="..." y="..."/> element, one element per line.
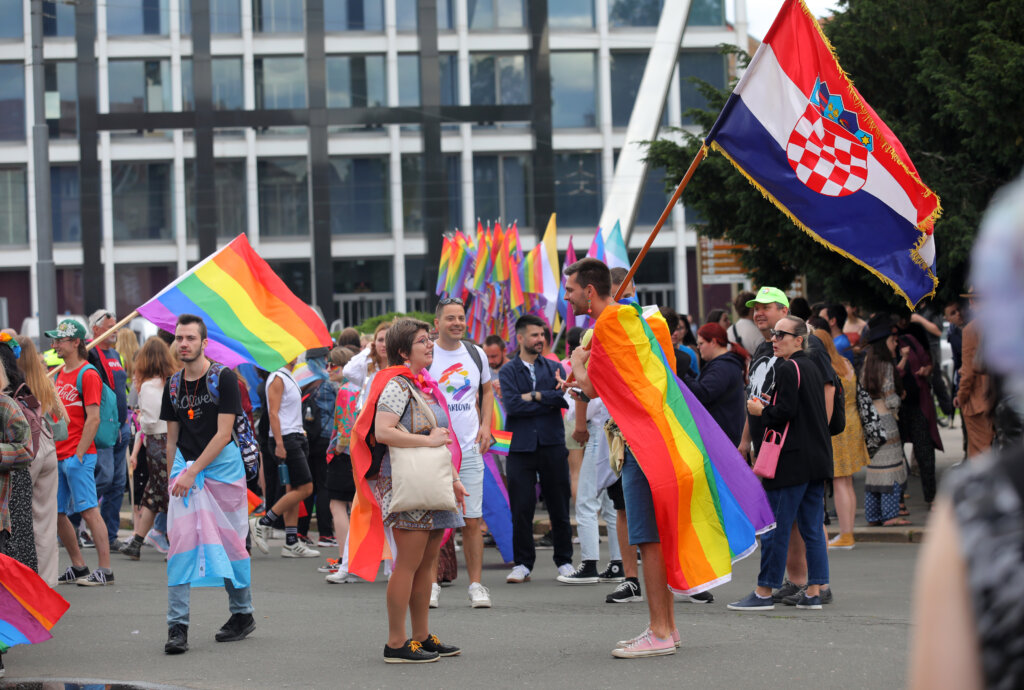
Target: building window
<point x="229" y="190"/>
<point x="12" y="101"/>
<point x="578" y="189"/>
<point x="653" y="198"/>
<point x="706" y="13"/>
<point x="66" y="211"/>
<point x="627" y="71"/>
<point x="706" y="66"/>
<point x="280" y="83"/>
<point x="362" y="275"/>
<point x="135" y="282"/>
<point x="414" y="193"/>
<point x="648" y="12"/>
<point x="356" y="81"/>
<point x="296" y="276"/>
<point x="496" y="14"/>
<point x="408" y="80"/>
<point x="498" y="80"/>
<point x="571" y="14"/>
<point x="573" y="89"/>
<point x="356" y="15"/>
<point x="70" y="288"/>
<point x="225" y="17"/>
<point x="13" y="207"/>
<point x="61" y="99"/>
<point x="501" y="188"/>
<point x="279" y="16"/>
<point x="415" y="267"/>
<point x="449" y="63"/>
<point x="58" y="18"/>
<point x="143" y="201"/>
<point x="227" y="84"/>
<point x="138" y="17"/>
<point x="283" y="197"/>
<point x="360" y="202"/>
<point x="140" y="86"/>
<point x="11" y="26"/>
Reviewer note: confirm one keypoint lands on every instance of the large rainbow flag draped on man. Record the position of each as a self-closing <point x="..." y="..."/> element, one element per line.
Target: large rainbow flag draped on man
<point x="799" y="130"/>
<point x="708" y="504"/>
<point x="250" y="314"/>
<point x="29" y="608"/>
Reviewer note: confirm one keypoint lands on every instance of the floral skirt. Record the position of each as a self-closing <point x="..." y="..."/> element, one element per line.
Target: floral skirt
<point x="155" y="495"/>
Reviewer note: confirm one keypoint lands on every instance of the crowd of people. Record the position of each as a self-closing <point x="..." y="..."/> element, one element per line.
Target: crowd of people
<point x="841" y="392"/>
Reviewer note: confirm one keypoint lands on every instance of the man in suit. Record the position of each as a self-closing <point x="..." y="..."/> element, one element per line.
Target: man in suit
<point x="533" y="404"/>
<point x="973" y="397"/>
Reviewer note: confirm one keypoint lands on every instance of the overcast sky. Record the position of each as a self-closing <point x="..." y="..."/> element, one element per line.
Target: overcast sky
<point x="761" y="13"/>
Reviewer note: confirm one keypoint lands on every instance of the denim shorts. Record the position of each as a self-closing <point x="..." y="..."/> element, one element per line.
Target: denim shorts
<point x="76" y="484"/>
<point x="643" y="526"/>
<point x="471" y="472"/>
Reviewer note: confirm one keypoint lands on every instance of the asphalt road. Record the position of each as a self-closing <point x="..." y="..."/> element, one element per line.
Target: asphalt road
<point x="540" y="634"/>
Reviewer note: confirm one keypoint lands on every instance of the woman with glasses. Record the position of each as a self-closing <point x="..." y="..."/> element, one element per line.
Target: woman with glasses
<point x="409" y="412"/>
<point x="796" y="492"/>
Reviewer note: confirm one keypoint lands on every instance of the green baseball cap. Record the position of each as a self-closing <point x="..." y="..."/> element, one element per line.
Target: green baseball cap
<point x="770" y="295"/>
<point x="68" y="328"/>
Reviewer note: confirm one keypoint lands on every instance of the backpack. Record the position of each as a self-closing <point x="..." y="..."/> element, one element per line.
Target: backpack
<point x="109" y="430"/>
<point x="241" y="431"/>
<point x="838" y="421"/>
<point x="475" y="356"/>
<point x="32" y="410"/>
<point x="312" y="423"/>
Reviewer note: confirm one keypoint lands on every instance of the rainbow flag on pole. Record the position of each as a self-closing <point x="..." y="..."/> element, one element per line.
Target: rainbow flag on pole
<point x="502" y="438"/>
<point x="707" y="502"/>
<point x="250" y="314"/>
<point x="29" y="608"/>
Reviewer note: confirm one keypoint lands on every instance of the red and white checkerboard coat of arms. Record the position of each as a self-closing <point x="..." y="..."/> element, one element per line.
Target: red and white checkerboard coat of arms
<point x="825" y="156"/>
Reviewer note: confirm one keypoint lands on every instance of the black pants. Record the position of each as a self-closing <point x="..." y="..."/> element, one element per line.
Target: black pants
<point x="319" y="497"/>
<point x="917" y="432"/>
<point x="551" y="464"/>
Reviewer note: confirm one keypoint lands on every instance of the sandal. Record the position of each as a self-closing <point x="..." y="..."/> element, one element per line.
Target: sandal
<point x="896" y="522"/>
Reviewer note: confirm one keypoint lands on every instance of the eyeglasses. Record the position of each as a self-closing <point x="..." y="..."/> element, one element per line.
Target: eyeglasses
<point x="779" y="335"/>
<point x="451" y="300"/>
<point x="421" y="341"/>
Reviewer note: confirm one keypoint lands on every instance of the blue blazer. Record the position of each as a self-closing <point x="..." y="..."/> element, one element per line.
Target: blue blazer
<point x="532" y="423"/>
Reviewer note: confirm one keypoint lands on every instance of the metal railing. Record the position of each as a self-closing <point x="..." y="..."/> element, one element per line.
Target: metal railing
<point x="662" y="294"/>
<point x="354" y="308"/>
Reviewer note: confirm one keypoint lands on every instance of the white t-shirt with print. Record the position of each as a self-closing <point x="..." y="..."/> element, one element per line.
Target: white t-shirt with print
<point x="460" y="380"/>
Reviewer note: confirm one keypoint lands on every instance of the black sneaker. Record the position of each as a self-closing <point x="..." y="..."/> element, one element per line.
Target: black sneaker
<point x="787" y="589"/>
<point x="613" y="573"/>
<point x="132" y="550"/>
<point x="545" y="542"/>
<point x="85" y="541"/>
<point x="626" y="592"/>
<point x="433" y="644"/>
<point x="177" y="639"/>
<point x="237" y="627"/>
<point x="585" y="574"/>
<point x="699" y="598"/>
<point x="412" y="652"/>
<point x="97" y="578"/>
<point x="73" y="574"/>
<point x="794" y="599"/>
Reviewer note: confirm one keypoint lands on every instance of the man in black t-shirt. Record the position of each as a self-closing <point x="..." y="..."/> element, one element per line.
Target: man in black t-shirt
<point x="207" y="482"/>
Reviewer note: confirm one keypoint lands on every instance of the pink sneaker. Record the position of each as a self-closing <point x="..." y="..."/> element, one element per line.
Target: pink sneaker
<point x="625" y="643"/>
<point x="646" y="645"/>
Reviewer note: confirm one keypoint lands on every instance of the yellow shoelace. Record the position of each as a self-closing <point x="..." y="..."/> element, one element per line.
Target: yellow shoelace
<point x="434" y="638"/>
<point x="415" y="645"/>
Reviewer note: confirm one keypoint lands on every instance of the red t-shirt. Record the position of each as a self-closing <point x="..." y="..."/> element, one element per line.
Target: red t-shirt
<point x="92" y="387"/>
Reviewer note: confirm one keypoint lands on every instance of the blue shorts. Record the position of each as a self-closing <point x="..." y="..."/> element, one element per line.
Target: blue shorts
<point x="643" y="527"/>
<point x="76" y="484"/>
<point x="472" y="475"/>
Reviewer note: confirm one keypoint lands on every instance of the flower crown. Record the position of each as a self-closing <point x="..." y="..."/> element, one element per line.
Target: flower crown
<point x="11" y="343"/>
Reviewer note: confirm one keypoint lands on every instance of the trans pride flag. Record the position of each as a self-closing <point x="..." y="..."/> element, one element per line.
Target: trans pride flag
<point x="707" y="502"/>
<point x="799" y="130"/>
<point x="250" y="314"/>
<point x="29" y="608"/>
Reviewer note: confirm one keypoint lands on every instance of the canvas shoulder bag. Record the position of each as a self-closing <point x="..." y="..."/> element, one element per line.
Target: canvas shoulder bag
<point x="421" y="478"/>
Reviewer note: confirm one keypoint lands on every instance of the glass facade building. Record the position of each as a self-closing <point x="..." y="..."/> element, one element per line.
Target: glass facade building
<point x="381" y="189"/>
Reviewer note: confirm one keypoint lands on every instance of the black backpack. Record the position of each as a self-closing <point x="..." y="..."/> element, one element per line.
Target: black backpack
<point x="311" y="414"/>
<point x="837" y="423"/>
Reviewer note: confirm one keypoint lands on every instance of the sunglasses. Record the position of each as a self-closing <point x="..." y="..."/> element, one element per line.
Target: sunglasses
<point x="451" y="300"/>
<point x="779" y="335"/>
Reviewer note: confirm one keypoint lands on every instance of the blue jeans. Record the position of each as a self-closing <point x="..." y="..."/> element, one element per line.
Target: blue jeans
<point x="803" y="504"/>
<point x="160" y="522"/>
<point x="239" y="601"/>
<point x="111" y="491"/>
<point x="592" y="503"/>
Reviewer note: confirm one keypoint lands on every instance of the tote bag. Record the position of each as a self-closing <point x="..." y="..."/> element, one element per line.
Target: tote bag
<point x="771" y="447"/>
<point x="421" y="478"/>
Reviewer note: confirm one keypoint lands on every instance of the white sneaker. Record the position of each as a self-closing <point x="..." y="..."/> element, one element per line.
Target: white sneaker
<point x="435" y="594"/>
<point x="342" y="577"/>
<point x="298" y="550"/>
<point x="479" y="596"/>
<point x="260" y="534"/>
<point x="519" y="574"/>
<point x="566" y="570"/>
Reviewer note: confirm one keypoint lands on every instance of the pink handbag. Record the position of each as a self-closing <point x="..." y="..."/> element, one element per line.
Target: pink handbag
<point x="771" y="447"/>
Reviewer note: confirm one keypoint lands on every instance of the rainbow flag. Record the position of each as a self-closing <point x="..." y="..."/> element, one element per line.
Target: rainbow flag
<point x="484" y="260"/>
<point x="29" y="608"/>
<point x="531" y="271"/>
<point x="516" y="300"/>
<point x="502" y="438"/>
<point x="250" y="314"/>
<point x="707" y="502"/>
<point x="503" y="266"/>
<point x="442" y="268"/>
<point x="458" y="265"/>
<point x="496" y="508"/>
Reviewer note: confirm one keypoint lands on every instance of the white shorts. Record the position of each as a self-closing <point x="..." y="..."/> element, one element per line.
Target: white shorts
<point x="472" y="475"/>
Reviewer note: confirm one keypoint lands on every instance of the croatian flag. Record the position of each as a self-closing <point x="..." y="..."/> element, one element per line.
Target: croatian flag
<point x="799" y="130"/>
